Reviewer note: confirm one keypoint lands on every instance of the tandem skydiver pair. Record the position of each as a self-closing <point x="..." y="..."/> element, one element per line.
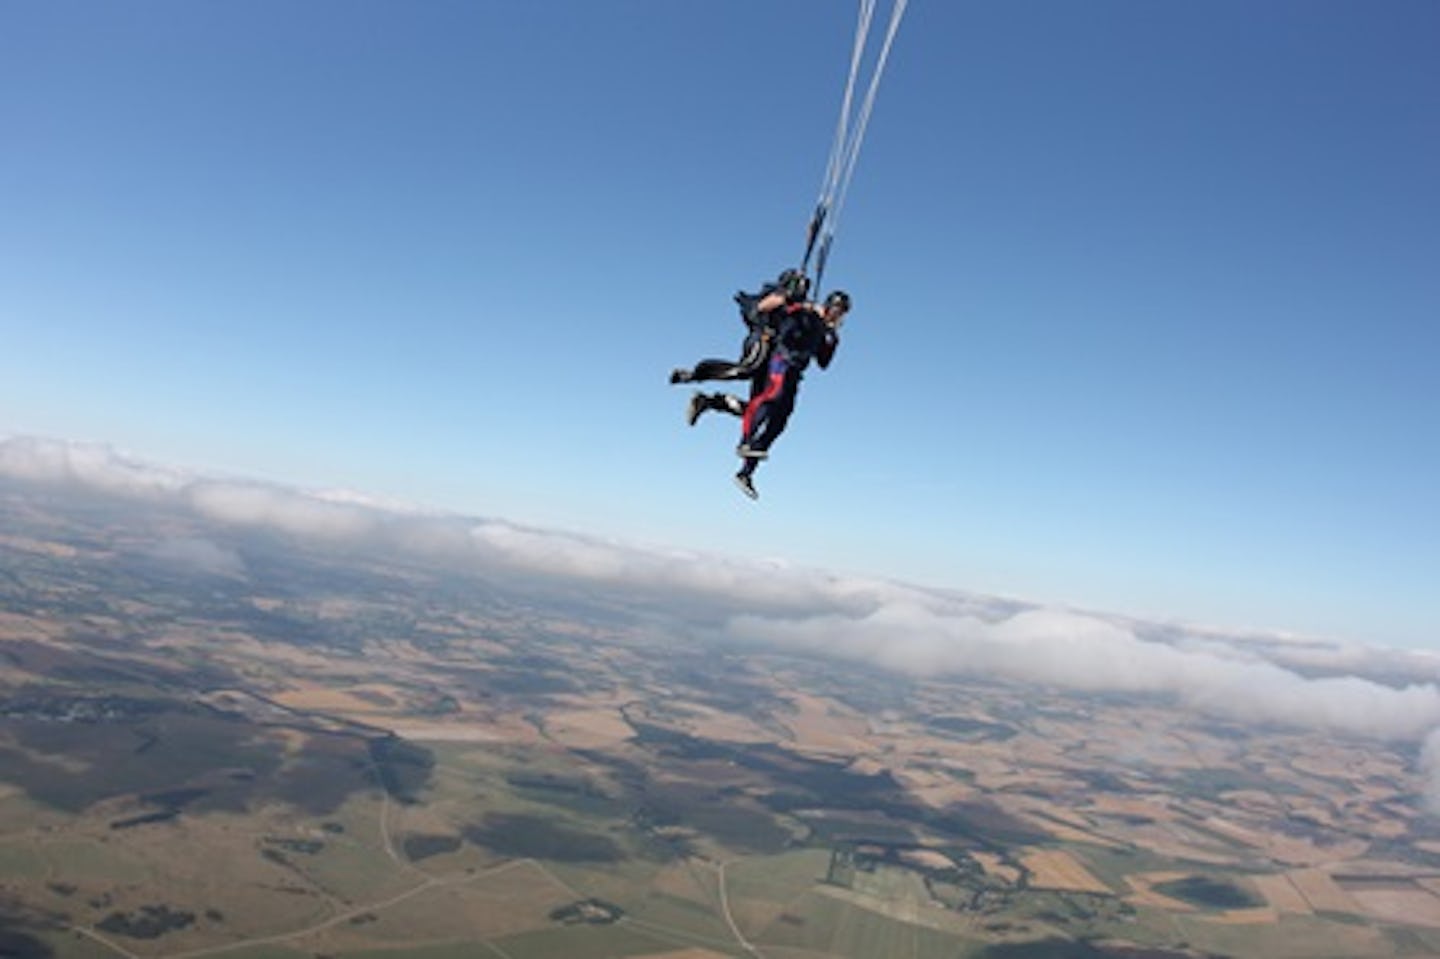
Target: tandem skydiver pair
<point x="784" y="332"/>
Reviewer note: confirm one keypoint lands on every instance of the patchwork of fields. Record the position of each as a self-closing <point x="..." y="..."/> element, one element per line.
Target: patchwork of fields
<point x="346" y="756"/>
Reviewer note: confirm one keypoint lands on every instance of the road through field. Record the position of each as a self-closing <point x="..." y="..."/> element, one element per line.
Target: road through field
<point x="730" y="920"/>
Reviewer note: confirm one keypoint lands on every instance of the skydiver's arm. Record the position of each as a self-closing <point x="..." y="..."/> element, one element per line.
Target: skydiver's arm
<point x="828" y="344"/>
<point x="770" y="301"/>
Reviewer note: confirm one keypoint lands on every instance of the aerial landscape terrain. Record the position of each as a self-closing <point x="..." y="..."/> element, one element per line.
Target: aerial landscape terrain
<point x="270" y="739"/>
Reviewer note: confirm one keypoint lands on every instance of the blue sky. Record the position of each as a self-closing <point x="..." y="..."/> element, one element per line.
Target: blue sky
<point x="1146" y="293"/>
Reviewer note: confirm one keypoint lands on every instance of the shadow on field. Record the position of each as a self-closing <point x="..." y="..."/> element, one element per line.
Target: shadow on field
<point x="16" y="942"/>
<point x="541" y="837"/>
<point x="1074" y="949"/>
<point x="174" y="757"/>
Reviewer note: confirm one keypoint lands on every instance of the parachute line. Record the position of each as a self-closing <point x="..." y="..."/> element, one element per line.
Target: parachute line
<point x="833" y="165"/>
<point x="849" y="134"/>
<point x="866" y="108"/>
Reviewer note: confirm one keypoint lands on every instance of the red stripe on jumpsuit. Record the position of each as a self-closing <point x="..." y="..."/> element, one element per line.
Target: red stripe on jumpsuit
<point x="772" y="390"/>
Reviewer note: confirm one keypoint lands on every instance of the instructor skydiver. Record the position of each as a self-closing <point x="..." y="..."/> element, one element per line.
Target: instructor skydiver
<point x="803" y="334"/>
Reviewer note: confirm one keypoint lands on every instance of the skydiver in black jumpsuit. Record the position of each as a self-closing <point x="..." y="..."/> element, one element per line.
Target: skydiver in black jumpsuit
<point x="804" y="334"/>
<point x="762" y="313"/>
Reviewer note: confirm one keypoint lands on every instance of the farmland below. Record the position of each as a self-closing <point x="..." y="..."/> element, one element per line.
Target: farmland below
<point x="329" y="752"/>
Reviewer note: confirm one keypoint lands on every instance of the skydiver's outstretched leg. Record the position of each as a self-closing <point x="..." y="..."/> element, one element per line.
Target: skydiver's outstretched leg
<point x="723" y="402"/>
<point x="752" y="360"/>
<point x="711" y="370"/>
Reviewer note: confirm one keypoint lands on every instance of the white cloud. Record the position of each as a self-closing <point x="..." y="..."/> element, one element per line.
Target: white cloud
<point x="244" y="504"/>
<point x="1089" y="654"/>
<point x="923" y="632"/>
<point x="194" y="554"/>
<point x="88" y="464"/>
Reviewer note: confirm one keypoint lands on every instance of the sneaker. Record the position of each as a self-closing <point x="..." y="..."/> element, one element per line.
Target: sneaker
<point x="698" y="405"/>
<point x="679" y="376"/>
<point x="744" y="450"/>
<point x="746" y="484"/>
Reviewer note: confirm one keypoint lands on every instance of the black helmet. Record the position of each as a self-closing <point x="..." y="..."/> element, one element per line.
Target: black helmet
<point x="838" y="299"/>
<point x="795" y="283"/>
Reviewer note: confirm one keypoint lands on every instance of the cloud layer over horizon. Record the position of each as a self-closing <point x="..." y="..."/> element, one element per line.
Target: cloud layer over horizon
<point x="908" y="629"/>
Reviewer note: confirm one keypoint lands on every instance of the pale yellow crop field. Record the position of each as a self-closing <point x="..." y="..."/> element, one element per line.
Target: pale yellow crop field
<point x="1281" y="893"/>
<point x="1056" y="869"/>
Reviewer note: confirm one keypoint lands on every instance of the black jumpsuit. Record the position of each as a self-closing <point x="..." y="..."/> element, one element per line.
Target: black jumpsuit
<point x="755" y="349"/>
<point x="802" y="334"/>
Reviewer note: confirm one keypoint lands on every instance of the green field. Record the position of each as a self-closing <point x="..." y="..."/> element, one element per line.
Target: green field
<point x="592" y="942"/>
<point x="71" y="945"/>
<point x="700" y="920"/>
<point x="1294" y="937"/>
<point x="19" y="861"/>
<point x="354" y="872"/>
<point x="263" y="952"/>
<point x="833" y="926"/>
<point x="95" y="861"/>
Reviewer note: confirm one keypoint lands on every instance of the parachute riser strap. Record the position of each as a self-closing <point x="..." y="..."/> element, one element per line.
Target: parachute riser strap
<point x="820" y="262"/>
<point x="817" y="223"/>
